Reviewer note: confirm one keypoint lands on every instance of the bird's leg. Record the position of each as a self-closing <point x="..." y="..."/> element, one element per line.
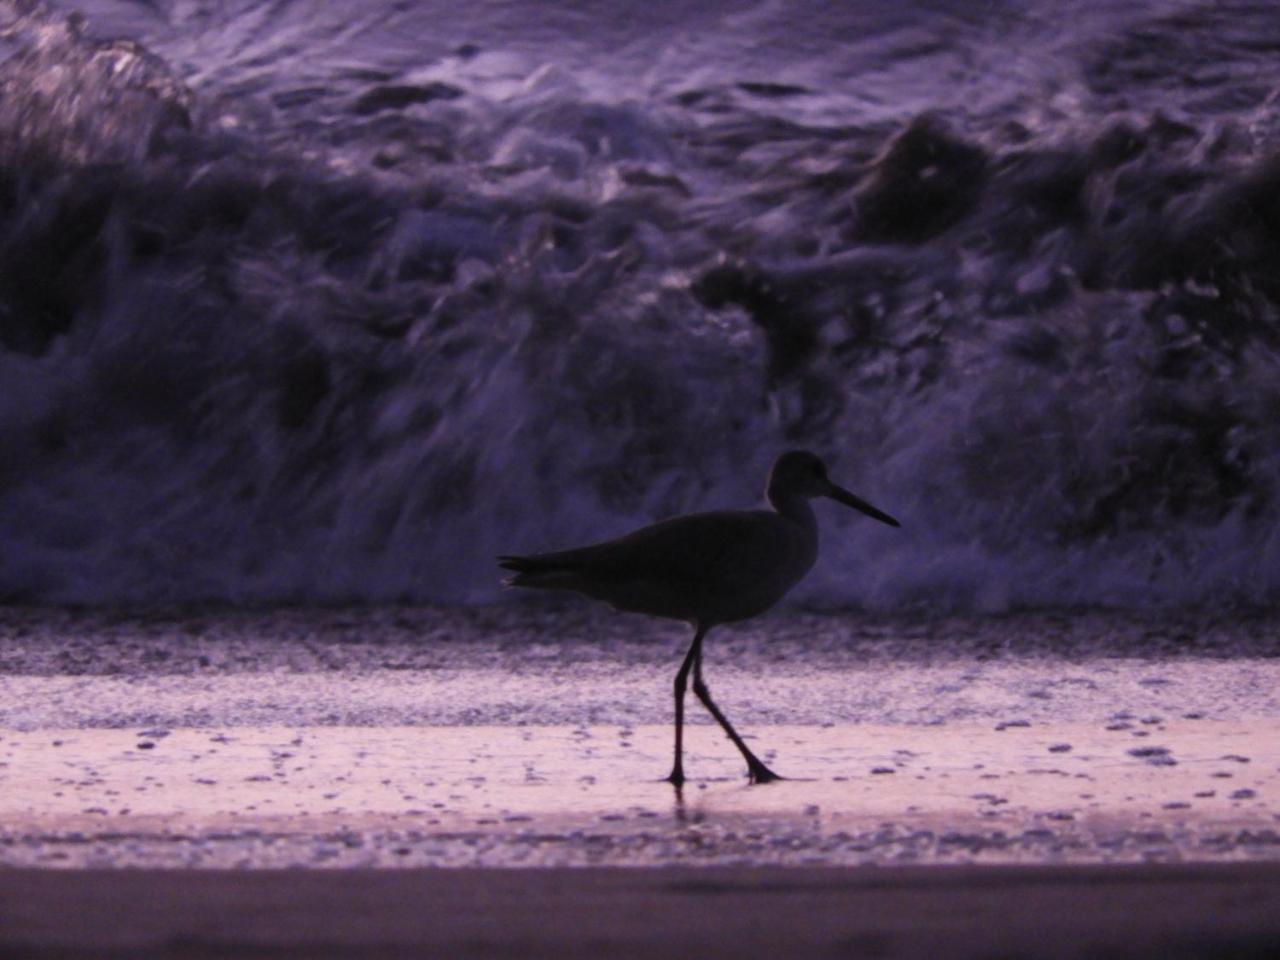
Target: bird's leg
<point x="682" y="683"/>
<point x="757" y="772"/>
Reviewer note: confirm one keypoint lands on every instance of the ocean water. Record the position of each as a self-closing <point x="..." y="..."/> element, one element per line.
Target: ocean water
<point x="314" y="302"/>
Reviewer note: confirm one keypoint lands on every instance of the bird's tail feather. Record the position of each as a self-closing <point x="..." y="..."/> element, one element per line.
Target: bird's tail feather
<point x="539" y="571"/>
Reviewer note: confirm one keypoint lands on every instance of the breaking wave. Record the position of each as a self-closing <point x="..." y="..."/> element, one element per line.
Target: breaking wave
<point x="307" y="308"/>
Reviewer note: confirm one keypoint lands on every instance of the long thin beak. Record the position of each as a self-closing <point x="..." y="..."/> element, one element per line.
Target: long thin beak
<point x="849" y="500"/>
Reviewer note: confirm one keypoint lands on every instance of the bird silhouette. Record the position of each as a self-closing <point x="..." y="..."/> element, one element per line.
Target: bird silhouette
<point x="705" y="569"/>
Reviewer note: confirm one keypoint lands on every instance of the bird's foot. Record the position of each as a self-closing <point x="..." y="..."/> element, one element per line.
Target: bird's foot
<point x="758" y="773"/>
<point x="676" y="778"/>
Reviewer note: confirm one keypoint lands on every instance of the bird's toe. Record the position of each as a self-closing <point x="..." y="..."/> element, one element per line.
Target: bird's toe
<point x="762" y="774"/>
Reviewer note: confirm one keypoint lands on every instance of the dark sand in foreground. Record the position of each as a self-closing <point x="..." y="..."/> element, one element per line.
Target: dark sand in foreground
<point x="1171" y="912"/>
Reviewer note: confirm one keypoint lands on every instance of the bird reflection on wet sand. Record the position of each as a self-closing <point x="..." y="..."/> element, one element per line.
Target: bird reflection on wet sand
<point x="705" y="569"/>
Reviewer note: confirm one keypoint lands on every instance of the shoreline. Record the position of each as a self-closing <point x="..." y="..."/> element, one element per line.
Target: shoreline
<point x="546" y="796"/>
<point x="451" y="783"/>
<point x="489" y="738"/>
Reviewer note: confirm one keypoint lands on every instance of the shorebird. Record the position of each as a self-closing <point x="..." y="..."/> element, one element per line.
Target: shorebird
<point x="705" y="569"/>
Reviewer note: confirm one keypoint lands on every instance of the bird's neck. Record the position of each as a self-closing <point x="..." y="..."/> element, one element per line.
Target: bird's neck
<point x="794" y="508"/>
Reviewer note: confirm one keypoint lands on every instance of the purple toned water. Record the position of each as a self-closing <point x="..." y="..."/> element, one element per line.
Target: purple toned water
<point x="328" y="302"/>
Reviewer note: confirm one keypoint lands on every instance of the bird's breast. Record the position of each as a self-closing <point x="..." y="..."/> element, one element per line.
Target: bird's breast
<point x="750" y="580"/>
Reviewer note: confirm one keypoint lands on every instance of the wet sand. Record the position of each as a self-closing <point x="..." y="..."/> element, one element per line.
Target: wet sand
<point x="551" y="796"/>
<point x="1018" y="764"/>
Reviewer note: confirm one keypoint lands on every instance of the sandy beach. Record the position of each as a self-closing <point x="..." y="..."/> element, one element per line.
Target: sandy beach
<point x="490" y="782"/>
<point x="553" y="796"/>
<point x="1222" y="911"/>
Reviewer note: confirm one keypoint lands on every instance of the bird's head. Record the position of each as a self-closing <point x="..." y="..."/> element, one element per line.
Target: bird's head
<point x="801" y="474"/>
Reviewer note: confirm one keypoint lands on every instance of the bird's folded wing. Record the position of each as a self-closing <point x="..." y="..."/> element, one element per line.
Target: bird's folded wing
<point x="725" y="548"/>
